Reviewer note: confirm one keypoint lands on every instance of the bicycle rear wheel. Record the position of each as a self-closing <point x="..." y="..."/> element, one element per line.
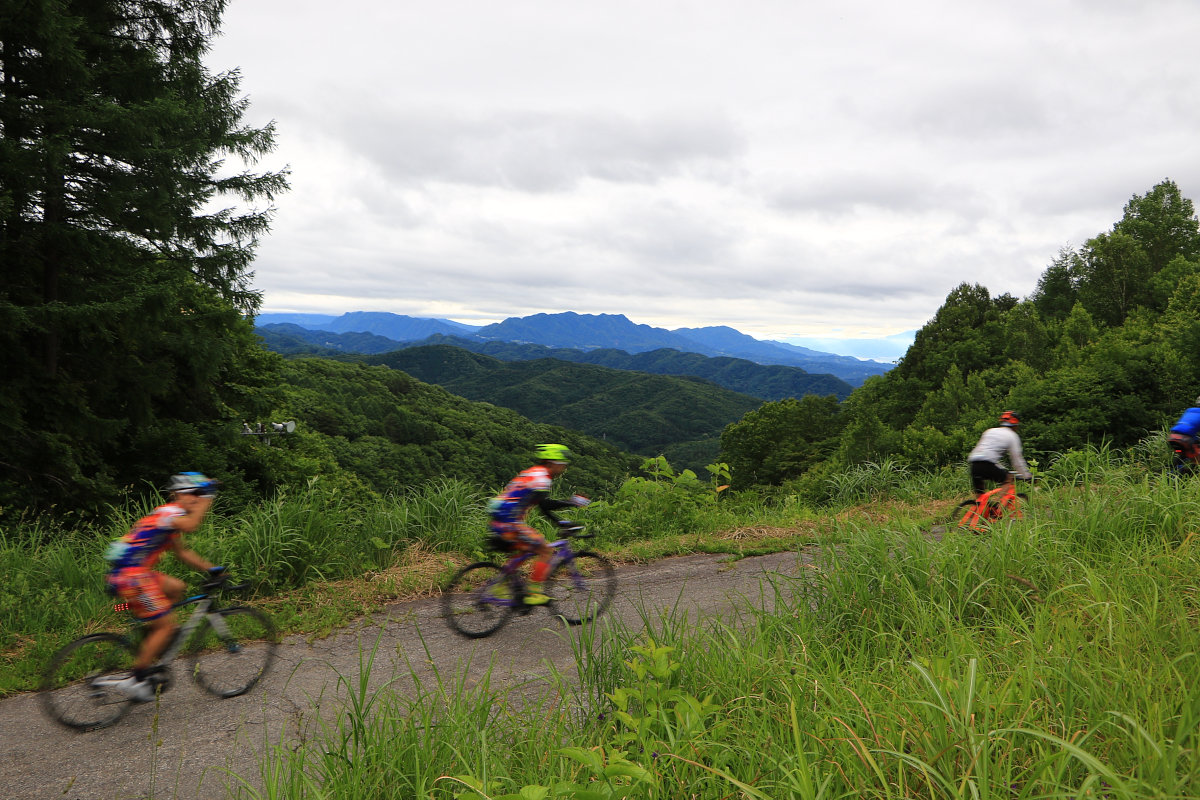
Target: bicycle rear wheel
<point x="958" y="515"/>
<point x="77" y="688"/>
<point x="478" y="600"/>
<point x="582" y="587"/>
<point x="231" y="650"/>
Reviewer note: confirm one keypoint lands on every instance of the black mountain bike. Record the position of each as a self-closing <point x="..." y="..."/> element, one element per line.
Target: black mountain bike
<point x="482" y="597"/>
<point x="228" y="650"/>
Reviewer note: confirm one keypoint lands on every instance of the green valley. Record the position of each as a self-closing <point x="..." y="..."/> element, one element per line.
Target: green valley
<point x="642" y="413"/>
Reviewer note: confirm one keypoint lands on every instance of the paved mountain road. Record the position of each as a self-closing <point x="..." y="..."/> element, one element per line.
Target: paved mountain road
<point x="183" y="746"/>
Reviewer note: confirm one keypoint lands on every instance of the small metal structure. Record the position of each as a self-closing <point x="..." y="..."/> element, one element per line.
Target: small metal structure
<point x="267" y="430"/>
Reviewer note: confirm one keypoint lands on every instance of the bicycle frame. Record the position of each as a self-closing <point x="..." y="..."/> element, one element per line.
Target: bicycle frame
<point x="510" y="571"/>
<point x="991" y="506"/>
<point x="182" y="634"/>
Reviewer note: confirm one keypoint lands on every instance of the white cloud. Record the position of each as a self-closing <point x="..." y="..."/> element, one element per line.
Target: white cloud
<point x="768" y="165"/>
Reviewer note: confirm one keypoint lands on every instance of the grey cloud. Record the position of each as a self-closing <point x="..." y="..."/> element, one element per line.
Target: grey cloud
<point x="668" y="234"/>
<point x="538" y="152"/>
<point x="974" y="112"/>
<point x="839" y="192"/>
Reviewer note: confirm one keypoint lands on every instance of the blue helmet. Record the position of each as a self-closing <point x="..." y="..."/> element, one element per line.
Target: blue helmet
<point x="193" y="483"/>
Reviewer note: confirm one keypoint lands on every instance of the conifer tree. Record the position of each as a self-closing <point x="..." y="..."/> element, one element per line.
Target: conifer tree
<point x="124" y="274"/>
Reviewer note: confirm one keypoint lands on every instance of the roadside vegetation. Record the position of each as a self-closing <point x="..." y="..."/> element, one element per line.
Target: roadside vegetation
<point x="320" y="556"/>
<point x="1053" y="657"/>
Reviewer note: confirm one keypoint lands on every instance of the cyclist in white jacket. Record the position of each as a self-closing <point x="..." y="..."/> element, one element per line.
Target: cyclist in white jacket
<point x="984" y="460"/>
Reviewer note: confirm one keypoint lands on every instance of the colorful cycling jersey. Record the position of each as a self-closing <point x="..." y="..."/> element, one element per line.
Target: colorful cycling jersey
<point x="513" y="504"/>
<point x="146" y="541"/>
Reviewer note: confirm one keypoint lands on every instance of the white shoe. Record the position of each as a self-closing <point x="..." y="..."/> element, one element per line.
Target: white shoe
<point x="135" y="690"/>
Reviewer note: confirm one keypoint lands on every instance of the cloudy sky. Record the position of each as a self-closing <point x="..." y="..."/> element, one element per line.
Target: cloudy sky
<point x="813" y="172"/>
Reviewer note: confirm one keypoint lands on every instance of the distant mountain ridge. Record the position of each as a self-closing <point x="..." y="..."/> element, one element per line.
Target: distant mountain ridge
<point x="586" y="332"/>
<point x="764" y="381"/>
<point x="397" y="327"/>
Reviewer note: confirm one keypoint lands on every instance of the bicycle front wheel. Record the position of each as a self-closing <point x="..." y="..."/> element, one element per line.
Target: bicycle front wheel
<point x="582" y="587"/>
<point x="231" y="650"/>
<point x="78" y="688"/>
<point x="478" y="601"/>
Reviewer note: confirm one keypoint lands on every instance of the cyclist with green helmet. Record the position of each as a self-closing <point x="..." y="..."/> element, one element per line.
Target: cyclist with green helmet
<point x="507" y="513"/>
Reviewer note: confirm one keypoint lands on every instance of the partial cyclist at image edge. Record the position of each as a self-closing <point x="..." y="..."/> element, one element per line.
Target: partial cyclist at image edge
<point x="509" y="510"/>
<point x="150" y="594"/>
<point x="994" y="446"/>
<point x="1182" y="441"/>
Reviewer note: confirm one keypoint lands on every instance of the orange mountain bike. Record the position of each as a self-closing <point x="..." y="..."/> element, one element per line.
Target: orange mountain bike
<point x="977" y="514"/>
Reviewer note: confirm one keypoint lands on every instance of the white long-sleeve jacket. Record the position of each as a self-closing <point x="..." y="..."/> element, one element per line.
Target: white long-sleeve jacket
<point x="995" y="443"/>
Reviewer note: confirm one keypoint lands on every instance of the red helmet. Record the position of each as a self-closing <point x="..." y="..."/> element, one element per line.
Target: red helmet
<point x="1009" y="419"/>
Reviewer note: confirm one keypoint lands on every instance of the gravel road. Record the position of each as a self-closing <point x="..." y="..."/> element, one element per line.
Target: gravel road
<point x="183" y="746"/>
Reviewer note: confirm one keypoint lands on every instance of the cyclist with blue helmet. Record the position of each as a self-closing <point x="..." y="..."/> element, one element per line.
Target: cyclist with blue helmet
<point x="1182" y="439"/>
<point x="149" y="593"/>
<point x="507" y="513"/>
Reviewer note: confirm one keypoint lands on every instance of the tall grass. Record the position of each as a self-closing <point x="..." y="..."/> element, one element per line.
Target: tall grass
<point x="53" y="588"/>
<point x="1054" y="657"/>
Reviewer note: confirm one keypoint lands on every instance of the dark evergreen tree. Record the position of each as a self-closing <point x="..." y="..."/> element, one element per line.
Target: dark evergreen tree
<point x="1056" y="294"/>
<point x="122" y="286"/>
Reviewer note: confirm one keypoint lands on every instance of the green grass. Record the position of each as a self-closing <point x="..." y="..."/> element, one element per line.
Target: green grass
<point x="317" y="559"/>
<point x="1054" y="657"/>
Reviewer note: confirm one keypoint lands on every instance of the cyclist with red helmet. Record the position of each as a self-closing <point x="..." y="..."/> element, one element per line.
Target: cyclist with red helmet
<point x="1182" y="439"/>
<point x="149" y="593"/>
<point x="508" y="511"/>
<point x="994" y="445"/>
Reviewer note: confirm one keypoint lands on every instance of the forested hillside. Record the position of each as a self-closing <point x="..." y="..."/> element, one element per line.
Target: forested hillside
<point x="1105" y="349"/>
<point x="128" y="355"/>
<point x="764" y="381"/>
<point x="291" y="340"/>
<point x="126" y="286"/>
<point x="386" y="430"/>
<point x="646" y="414"/>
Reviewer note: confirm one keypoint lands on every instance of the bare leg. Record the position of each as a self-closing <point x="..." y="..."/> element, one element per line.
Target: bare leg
<point x="162" y="628"/>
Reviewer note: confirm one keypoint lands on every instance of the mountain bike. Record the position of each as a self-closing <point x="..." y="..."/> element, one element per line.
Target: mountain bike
<point x="1185" y="454"/>
<point x="228" y="649"/>
<point x="978" y="513"/>
<point x="482" y="597"/>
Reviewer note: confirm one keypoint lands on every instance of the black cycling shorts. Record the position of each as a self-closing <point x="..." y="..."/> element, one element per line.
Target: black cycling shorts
<point x="983" y="471"/>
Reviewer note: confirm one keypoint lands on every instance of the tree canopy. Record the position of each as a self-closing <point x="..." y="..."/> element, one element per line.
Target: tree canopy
<point x="1104" y="349"/>
<point x="125" y="276"/>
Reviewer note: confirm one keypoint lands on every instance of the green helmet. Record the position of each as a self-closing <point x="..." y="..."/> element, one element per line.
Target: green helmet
<point x="553" y="452"/>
